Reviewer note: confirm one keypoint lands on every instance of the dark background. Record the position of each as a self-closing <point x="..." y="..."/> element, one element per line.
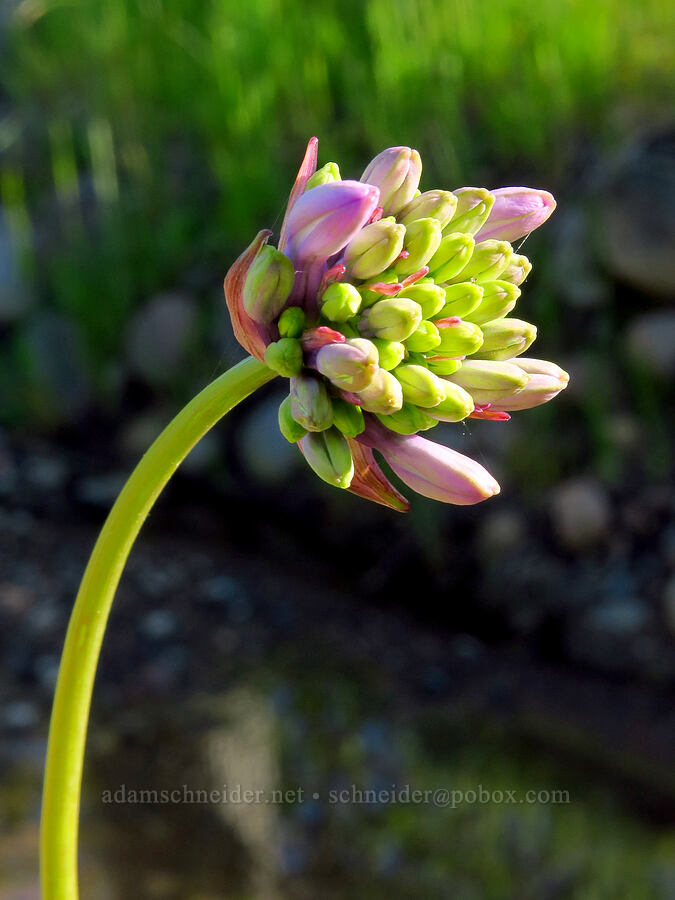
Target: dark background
<point x="272" y="631"/>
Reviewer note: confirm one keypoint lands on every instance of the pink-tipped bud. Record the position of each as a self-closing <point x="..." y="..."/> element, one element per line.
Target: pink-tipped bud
<point x="324" y="219"/>
<point x="516" y="212"/>
<point x="546" y="381"/>
<point x="396" y="172"/>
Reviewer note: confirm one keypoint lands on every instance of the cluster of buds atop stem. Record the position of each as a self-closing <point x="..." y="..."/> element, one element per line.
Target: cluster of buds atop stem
<point x="389" y="311"/>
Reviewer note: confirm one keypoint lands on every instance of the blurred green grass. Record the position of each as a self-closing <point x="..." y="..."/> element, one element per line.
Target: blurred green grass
<point x="140" y="141"/>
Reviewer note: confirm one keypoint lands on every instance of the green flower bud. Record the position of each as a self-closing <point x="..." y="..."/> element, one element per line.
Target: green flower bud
<point x="425" y="338"/>
<point x="430" y="296"/>
<point x="284" y="357"/>
<point x="517" y="270"/>
<point x="374" y="249"/>
<point x="422" y="239"/>
<point x="460" y="299"/>
<point x="370" y="297"/>
<point x="347" y="417"/>
<point x="458" y="338"/>
<point x="340" y="301"/>
<point x="506" y="338"/>
<point x="453" y="254"/>
<point x="310" y="404"/>
<point x="268" y="284"/>
<point x="350" y="365"/>
<point x="383" y="395"/>
<point x="419" y="385"/>
<point x="438" y="205"/>
<point x="473" y="208"/>
<point x="329" y="456"/>
<point x="292" y="322"/>
<point x="488" y="261"/>
<point x="327" y="173"/>
<point x="488" y="381"/>
<point x="391" y="353"/>
<point x="455" y="406"/>
<point x="441" y="365"/>
<point x="290" y="429"/>
<point x="408" y="420"/>
<point x="499" y="298"/>
<point x="394" y="319"/>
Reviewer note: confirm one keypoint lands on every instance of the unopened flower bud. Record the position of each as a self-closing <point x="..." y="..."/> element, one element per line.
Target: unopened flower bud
<point x="420" y="386"/>
<point x="506" y="338"/>
<point x="396" y="172"/>
<point x="456" y="405"/>
<point x="517" y="270"/>
<point x="460" y="299"/>
<point x="473" y="208"/>
<point x="431" y="297"/>
<point x="422" y="239"/>
<point x="351" y="365"/>
<point x="424" y="338"/>
<point x="394" y="319"/>
<point x="324" y="175"/>
<point x="443" y="365"/>
<point x="323" y="221"/>
<point x="347" y="417"/>
<point x="329" y="456"/>
<point x="391" y="353"/>
<point x="488" y="381"/>
<point x="546" y="380"/>
<point x="290" y="429"/>
<point x="499" y="298"/>
<point x="458" y="338"/>
<point x="340" y="301"/>
<point x="310" y="404"/>
<point x="292" y="322"/>
<point x="383" y="395"/>
<point x="408" y="420"/>
<point x="438" y="205"/>
<point x="453" y="254"/>
<point x="284" y="357"/>
<point x="488" y="261"/>
<point x="374" y="249"/>
<point x="268" y="284"/>
<point x="516" y="212"/>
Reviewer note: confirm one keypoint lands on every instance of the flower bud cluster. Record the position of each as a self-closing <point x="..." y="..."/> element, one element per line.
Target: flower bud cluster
<point x="389" y="310"/>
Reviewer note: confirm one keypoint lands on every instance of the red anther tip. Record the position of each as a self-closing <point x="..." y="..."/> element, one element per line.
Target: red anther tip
<point x="450" y="320"/>
<point x="483" y="411"/>
<point x="381" y="287"/>
<point x="376" y="216"/>
<point x="411" y="279"/>
<point x="404" y="254"/>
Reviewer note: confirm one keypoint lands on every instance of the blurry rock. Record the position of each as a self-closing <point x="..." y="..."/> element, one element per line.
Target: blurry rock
<point x="500" y="531"/>
<point x="100" y="490"/>
<point x="15" y="299"/>
<point x="580" y="510"/>
<point x="19" y="715"/>
<point x="59" y="385"/>
<point x="583" y="286"/>
<point x="618" y="617"/>
<point x="635" y="222"/>
<point x="669" y="603"/>
<point x="651" y="341"/>
<point x="268" y="456"/>
<point x="158" y="624"/>
<point x="159" y="337"/>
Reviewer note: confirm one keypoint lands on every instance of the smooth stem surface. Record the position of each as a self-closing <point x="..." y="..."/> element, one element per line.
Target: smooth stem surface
<point x="70" y="712"/>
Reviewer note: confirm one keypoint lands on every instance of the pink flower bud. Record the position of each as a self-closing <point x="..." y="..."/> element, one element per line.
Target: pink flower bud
<point x="516" y="212"/>
<point x="396" y="172"/>
<point x="324" y="220"/>
<point x="431" y="469"/>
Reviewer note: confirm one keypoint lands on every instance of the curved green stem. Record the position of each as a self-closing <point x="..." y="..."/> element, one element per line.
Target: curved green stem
<point x="70" y="712"/>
